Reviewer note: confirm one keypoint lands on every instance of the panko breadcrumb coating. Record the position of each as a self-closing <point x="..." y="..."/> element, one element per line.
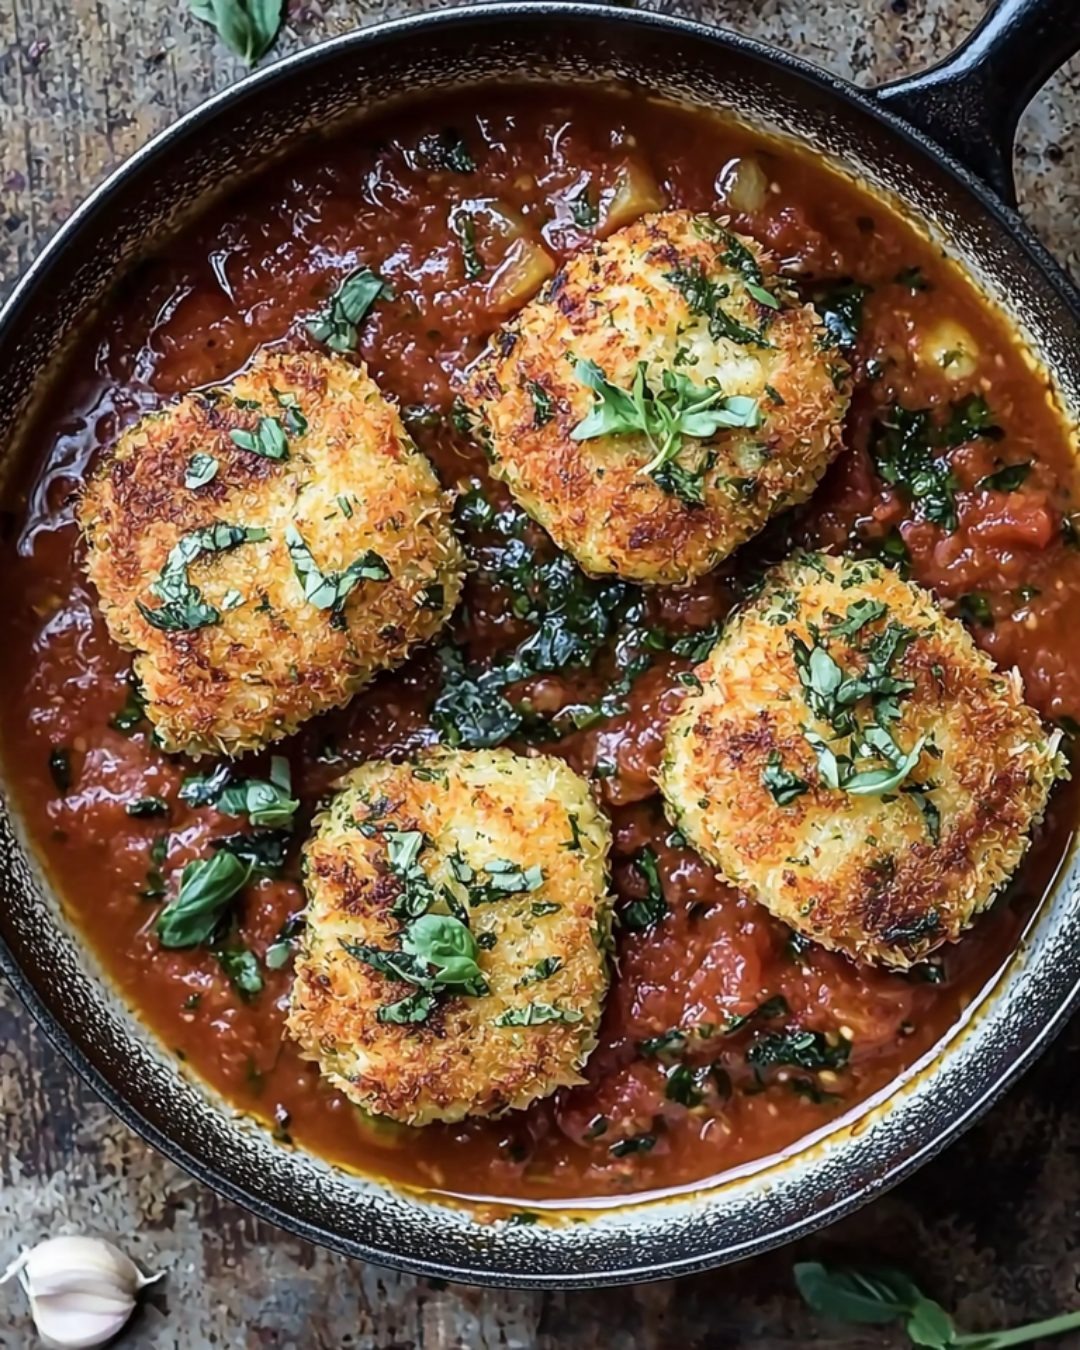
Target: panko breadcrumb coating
<point x="265" y="547"/>
<point x="856" y="764"/>
<point x="491" y="862"/>
<point x="690" y="311"/>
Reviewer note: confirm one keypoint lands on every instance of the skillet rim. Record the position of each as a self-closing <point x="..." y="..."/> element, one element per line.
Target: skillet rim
<point x="18" y="311"/>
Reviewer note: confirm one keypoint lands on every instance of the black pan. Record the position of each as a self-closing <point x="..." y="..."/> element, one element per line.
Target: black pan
<point x="941" y="144"/>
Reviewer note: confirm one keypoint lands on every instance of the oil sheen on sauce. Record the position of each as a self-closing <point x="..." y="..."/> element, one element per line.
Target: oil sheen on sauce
<point x="247" y="275"/>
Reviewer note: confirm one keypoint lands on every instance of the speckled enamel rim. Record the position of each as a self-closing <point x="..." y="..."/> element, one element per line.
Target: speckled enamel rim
<point x="689" y="1232"/>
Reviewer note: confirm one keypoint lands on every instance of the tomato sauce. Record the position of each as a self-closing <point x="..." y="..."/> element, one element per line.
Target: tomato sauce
<point x="247" y="274"/>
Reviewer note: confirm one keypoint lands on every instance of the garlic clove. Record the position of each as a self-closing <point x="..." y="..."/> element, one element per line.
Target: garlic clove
<point x="82" y="1290"/>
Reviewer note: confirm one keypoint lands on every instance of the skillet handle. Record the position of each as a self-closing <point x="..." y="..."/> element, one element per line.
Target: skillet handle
<point x="971" y="103"/>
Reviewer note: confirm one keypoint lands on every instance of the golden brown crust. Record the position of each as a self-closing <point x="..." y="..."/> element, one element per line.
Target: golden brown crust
<point x="862" y="874"/>
<point x="484" y="806"/>
<point x="351" y="481"/>
<point x="617" y="305"/>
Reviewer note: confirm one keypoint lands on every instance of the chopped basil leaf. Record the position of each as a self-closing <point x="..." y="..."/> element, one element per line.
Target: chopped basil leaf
<point x="445" y="151"/>
<point x="296" y="424"/>
<point x="145" y="808"/>
<point x="638" y="1143"/>
<point x="533" y="1014"/>
<point x="975" y="608"/>
<point x="584" y="209"/>
<point x="60" y="768"/>
<point x="339" y="323"/>
<point x="640" y="915"/>
<point x="128" y="719"/>
<point x="201" y="469"/>
<point x="268" y="439"/>
<point x="541" y="970"/>
<point x="242" y="968"/>
<point x="1006" y="479"/>
<point x="840" y="306"/>
<point x="207" y="885"/>
<point x="784" y="786"/>
<point x="912" y="278"/>
<point x="704" y="297"/>
<point x="184" y="608"/>
<point x="330" y="590"/>
<point x="802" y="1049"/>
<point x="265" y="803"/>
<point x="543" y="404"/>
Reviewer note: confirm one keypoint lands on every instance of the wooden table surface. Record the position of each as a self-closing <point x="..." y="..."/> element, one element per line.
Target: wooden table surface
<point x="991" y="1227"/>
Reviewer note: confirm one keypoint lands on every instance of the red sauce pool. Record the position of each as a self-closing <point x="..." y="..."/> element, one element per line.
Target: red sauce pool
<point x="246" y="275"/>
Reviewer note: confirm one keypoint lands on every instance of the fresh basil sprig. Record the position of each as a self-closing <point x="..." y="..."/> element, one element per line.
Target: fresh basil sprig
<point x="338" y="325"/>
<point x="248" y="27"/>
<point x="330" y="590"/>
<point x="207" y="885"/>
<point x="665" y="416"/>
<point x="886" y="1295"/>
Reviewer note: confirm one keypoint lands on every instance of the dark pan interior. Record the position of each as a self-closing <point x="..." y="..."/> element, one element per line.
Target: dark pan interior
<point x="211" y="151"/>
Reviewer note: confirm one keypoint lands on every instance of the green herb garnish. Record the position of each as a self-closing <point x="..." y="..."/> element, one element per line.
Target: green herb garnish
<point x="330" y="590"/>
<point x="206" y="888"/>
<point x="445" y="151"/>
<point x="268" y="439"/>
<point x="242" y="968"/>
<point x="784" y="786"/>
<point x="533" y="1014"/>
<point x="882" y="1295"/>
<point x="338" y="325"/>
<point x="184" y="608"/>
<point x="640" y="915"/>
<point x="247" y="27"/>
<point x="201" y="469"/>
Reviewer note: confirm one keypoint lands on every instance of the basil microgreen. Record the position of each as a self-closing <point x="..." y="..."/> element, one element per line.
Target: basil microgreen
<point x="1006" y="479"/>
<point x="184" y="608"/>
<point x="665" y="417"/>
<point x="330" y="590"/>
<point x="338" y="324"/>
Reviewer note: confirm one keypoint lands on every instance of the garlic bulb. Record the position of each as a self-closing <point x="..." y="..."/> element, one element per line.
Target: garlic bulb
<point x="82" y="1290"/>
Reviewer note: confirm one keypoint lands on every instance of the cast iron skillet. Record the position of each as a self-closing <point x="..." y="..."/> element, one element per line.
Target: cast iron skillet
<point x="913" y="139"/>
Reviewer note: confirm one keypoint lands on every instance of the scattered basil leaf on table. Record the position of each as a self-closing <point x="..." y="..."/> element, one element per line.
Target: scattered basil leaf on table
<point x="247" y="27"/>
<point x="886" y="1295"/>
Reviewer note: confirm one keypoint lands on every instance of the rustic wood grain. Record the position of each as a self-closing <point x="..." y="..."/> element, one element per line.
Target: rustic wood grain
<point x="991" y="1227"/>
